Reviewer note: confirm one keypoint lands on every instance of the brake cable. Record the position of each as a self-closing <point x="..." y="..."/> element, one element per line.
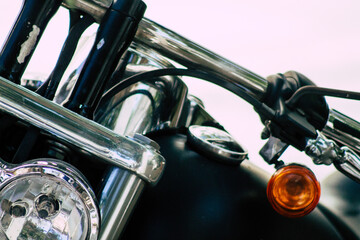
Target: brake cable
<point x="146" y="76"/>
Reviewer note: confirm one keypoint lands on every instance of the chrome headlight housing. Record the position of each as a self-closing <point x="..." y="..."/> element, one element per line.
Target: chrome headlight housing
<point x="46" y="199"/>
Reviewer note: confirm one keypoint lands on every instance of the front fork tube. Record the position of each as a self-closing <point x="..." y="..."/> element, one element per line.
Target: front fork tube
<point x="24" y="37"/>
<point x="119" y="195"/>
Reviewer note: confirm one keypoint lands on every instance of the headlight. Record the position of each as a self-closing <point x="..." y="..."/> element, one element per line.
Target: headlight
<point x="46" y="199"/>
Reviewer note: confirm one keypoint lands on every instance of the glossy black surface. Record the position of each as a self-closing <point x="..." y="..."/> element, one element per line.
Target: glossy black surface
<point x="114" y="35"/>
<point x="129" y="7"/>
<point x="35" y="14"/>
<point x="198" y="198"/>
<point x="341" y="195"/>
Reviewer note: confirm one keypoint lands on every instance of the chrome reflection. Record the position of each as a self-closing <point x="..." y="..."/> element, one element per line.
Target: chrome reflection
<point x="196" y="113"/>
<point x="191" y="55"/>
<point x="326" y="151"/>
<point x="32" y="80"/>
<point x="88" y="136"/>
<point x="133" y="110"/>
<point x="118" y="198"/>
<point x="147" y="105"/>
<point x="47" y="199"/>
<point x="141" y="108"/>
<point x="332" y="130"/>
<point x="217" y="144"/>
<point x="95" y="8"/>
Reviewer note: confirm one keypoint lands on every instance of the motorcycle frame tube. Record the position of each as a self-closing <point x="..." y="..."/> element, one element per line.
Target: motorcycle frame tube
<point x="88" y="136"/>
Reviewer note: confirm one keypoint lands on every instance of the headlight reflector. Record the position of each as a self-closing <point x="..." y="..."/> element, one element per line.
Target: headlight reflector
<point x="47" y="200"/>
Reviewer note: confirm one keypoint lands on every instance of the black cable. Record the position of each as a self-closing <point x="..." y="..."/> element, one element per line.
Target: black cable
<point x="313" y="90"/>
<point x="145" y="76"/>
<point x="100" y="115"/>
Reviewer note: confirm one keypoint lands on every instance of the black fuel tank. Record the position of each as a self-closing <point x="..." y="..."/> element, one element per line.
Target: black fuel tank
<point x="198" y="198"/>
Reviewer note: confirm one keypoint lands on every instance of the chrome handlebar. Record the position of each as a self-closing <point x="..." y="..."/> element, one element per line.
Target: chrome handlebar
<point x="191" y="55"/>
<point x="175" y="47"/>
<point x="136" y="162"/>
<point x="169" y="44"/>
<point x="234" y="77"/>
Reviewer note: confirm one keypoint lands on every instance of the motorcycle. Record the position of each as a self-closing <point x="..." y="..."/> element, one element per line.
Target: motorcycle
<point x="116" y="147"/>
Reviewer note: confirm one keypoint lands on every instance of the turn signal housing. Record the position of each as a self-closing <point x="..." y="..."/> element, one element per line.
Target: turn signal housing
<point x="293" y="191"/>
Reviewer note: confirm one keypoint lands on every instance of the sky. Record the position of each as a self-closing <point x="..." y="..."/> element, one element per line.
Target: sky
<point x="317" y="38"/>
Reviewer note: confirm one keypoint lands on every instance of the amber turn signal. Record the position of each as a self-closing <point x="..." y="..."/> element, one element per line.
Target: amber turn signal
<point x="293" y="191"/>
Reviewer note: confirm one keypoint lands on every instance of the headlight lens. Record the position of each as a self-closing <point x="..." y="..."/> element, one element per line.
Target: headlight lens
<point x="47" y="200"/>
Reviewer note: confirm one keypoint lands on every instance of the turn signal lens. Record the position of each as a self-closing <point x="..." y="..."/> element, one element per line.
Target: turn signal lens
<point x="293" y="191"/>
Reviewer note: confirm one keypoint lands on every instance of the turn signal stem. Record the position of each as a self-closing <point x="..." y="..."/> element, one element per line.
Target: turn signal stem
<point x="293" y="191"/>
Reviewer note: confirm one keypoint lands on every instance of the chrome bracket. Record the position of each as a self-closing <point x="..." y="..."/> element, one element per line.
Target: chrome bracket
<point x="325" y="151"/>
<point x="88" y="136"/>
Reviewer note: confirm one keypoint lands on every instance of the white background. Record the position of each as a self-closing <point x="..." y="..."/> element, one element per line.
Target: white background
<point x="317" y="38"/>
